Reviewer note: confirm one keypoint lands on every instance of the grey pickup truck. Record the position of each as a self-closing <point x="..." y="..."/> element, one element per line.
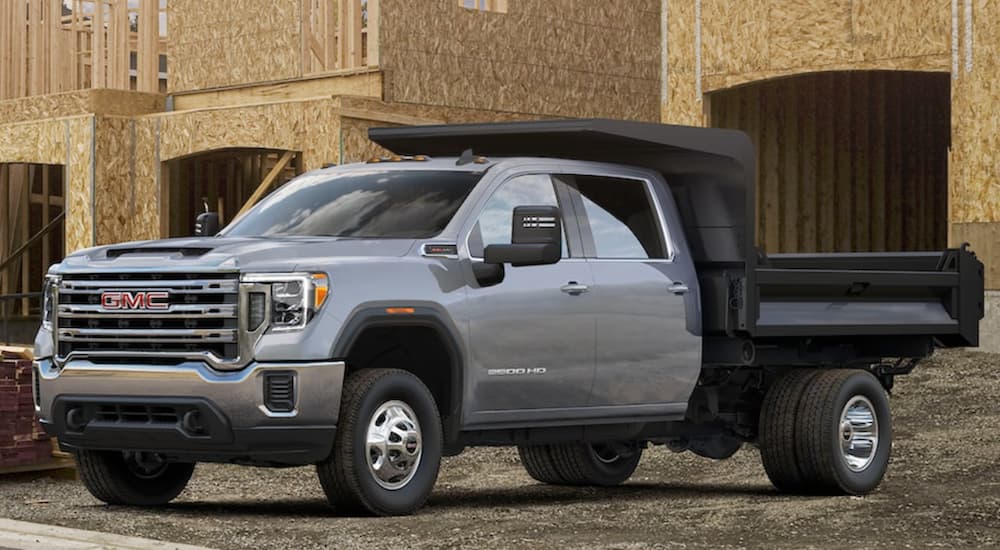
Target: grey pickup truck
<point x="584" y="290"/>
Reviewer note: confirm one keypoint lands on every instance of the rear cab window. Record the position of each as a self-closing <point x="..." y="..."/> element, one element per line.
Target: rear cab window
<point x="621" y="216"/>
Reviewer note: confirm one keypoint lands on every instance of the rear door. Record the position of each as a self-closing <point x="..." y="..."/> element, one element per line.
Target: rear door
<point x="648" y="344"/>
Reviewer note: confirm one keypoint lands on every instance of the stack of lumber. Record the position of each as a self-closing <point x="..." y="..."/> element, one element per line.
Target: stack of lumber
<point x="22" y="441"/>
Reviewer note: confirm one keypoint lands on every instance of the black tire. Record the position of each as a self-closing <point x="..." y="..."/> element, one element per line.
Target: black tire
<point x="347" y="479"/>
<point x="602" y="465"/>
<point x="777" y="431"/>
<point x="115" y="477"/>
<point x="538" y="462"/>
<point x="819" y="432"/>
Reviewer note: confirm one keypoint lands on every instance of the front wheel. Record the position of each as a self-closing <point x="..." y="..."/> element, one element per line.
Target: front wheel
<point x="388" y="446"/>
<point x="132" y="478"/>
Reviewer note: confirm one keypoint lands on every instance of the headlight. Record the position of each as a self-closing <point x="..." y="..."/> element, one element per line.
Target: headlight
<point x="294" y="299"/>
<point x="49" y="289"/>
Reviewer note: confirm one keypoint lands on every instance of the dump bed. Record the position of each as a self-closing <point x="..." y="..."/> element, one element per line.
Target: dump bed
<point x="875" y="294"/>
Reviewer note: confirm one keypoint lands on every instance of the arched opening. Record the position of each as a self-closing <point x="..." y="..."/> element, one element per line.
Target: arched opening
<point x="225" y="180"/>
<point x="847" y="160"/>
<point x="32" y="237"/>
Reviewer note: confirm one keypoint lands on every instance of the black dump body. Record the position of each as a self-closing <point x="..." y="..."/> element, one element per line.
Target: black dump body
<point x="872" y="305"/>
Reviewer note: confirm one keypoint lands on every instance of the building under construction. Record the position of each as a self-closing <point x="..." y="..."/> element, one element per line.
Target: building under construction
<point x="876" y="121"/>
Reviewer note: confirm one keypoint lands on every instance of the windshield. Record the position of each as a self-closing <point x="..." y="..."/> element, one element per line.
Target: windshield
<point x="403" y="204"/>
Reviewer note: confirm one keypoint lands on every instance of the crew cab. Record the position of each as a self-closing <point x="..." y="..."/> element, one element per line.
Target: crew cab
<point x="581" y="289"/>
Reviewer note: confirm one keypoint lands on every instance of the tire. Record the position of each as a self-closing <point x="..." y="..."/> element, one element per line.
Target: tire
<point x="389" y="399"/>
<point x="595" y="464"/>
<point x="842" y="410"/>
<point x="133" y="479"/>
<point x="777" y="431"/>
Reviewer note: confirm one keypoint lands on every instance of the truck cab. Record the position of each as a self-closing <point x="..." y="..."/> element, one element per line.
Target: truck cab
<point x="374" y="317"/>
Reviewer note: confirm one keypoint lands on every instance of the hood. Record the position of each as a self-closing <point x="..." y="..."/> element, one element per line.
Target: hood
<point x="232" y="253"/>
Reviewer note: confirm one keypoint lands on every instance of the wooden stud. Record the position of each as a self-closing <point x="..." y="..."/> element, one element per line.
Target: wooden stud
<point x="374" y="14"/>
<point x="5" y="216"/>
<point x="148" y="55"/>
<point x="265" y="185"/>
<point x="770" y="173"/>
<point x="877" y="174"/>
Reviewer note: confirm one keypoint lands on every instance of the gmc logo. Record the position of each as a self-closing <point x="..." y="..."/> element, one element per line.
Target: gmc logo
<point x="154" y="301"/>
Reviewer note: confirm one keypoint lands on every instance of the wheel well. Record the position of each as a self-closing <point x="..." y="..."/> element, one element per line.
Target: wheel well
<point x="419" y="349"/>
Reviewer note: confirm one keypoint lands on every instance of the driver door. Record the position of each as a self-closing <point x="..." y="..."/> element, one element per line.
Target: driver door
<point x="532" y="334"/>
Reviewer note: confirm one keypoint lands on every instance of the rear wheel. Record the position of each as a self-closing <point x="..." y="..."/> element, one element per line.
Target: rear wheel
<point x="602" y="464"/>
<point x="777" y="433"/>
<point x="131" y="477"/>
<point x="844" y="434"/>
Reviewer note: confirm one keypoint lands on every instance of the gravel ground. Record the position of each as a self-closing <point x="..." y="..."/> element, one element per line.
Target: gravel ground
<point x="942" y="490"/>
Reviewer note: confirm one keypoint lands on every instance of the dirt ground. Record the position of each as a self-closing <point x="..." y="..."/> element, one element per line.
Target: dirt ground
<point x="942" y="490"/>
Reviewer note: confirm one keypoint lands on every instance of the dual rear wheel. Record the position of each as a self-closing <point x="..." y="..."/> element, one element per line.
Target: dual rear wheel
<point x="826" y="432"/>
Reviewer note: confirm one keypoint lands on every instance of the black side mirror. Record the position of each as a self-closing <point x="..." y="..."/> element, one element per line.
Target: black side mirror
<point x="206" y="224"/>
<point x="536" y="238"/>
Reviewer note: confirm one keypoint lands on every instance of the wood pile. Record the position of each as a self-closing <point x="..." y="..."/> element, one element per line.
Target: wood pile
<point x="22" y="440"/>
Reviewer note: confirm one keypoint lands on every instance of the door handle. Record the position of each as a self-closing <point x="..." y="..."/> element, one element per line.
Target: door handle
<point x="574" y="288"/>
<point x="678" y="288"/>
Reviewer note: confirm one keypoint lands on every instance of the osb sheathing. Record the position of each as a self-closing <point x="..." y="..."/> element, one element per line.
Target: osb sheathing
<point x="974" y="200"/>
<point x="79" y="185"/>
<point x="220" y="43"/>
<point x="847" y="161"/>
<point x="574" y="58"/>
<point x="64" y="142"/>
<point x="755" y="40"/>
<point x="114" y="182"/>
<point x="41" y="142"/>
<point x="975" y="161"/>
<point x="101" y="101"/>
<point x="683" y="102"/>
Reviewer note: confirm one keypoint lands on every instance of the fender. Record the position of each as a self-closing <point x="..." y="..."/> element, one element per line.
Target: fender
<point x="424" y="314"/>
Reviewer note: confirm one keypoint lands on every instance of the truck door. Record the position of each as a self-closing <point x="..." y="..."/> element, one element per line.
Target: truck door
<point x="645" y="294"/>
<point x="531" y="335"/>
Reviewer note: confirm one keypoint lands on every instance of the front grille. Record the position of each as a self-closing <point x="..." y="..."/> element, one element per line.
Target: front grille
<point x="198" y="314"/>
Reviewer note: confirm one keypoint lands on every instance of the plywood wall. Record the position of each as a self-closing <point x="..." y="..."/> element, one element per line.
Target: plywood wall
<point x="974" y="198"/>
<point x="847" y="161"/>
<point x="717" y="44"/>
<point x="217" y="43"/>
<point x="574" y="58"/>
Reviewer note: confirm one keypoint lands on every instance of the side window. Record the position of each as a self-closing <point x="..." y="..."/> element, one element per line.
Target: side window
<point x="621" y="218"/>
<point x="493" y="226"/>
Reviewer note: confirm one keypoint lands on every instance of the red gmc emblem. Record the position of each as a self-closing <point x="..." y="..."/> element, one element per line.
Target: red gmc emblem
<point x="153" y="301"/>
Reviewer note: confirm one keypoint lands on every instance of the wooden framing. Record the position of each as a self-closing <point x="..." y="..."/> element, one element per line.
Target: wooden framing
<point x="339" y="35"/>
<point x="43" y="51"/>
<point x="32" y="211"/>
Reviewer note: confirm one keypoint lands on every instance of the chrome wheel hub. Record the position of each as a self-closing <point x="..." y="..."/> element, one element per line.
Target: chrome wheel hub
<point x="144" y="465"/>
<point x="393" y="445"/>
<point x="858" y="433"/>
<point x="605" y="453"/>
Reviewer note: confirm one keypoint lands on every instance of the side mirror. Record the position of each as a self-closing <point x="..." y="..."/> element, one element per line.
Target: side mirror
<point x="536" y="238"/>
<point x="206" y="224"/>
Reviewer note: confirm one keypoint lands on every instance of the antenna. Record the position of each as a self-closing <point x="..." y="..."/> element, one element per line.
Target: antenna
<point x="466" y="157"/>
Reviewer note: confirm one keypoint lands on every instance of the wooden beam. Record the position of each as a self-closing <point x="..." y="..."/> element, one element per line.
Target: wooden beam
<point x="374" y="14"/>
<point x="267" y="183"/>
<point x="31" y="241"/>
<point x="98" y="53"/>
<point x="148" y="55"/>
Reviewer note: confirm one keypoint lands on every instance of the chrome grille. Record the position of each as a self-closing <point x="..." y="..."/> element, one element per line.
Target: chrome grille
<point x="199" y="316"/>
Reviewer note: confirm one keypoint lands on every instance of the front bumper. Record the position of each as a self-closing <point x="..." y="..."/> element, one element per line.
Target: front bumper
<point x="190" y="411"/>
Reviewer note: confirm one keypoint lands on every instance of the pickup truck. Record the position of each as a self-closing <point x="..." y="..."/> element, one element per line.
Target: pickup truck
<point x="581" y="289"/>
